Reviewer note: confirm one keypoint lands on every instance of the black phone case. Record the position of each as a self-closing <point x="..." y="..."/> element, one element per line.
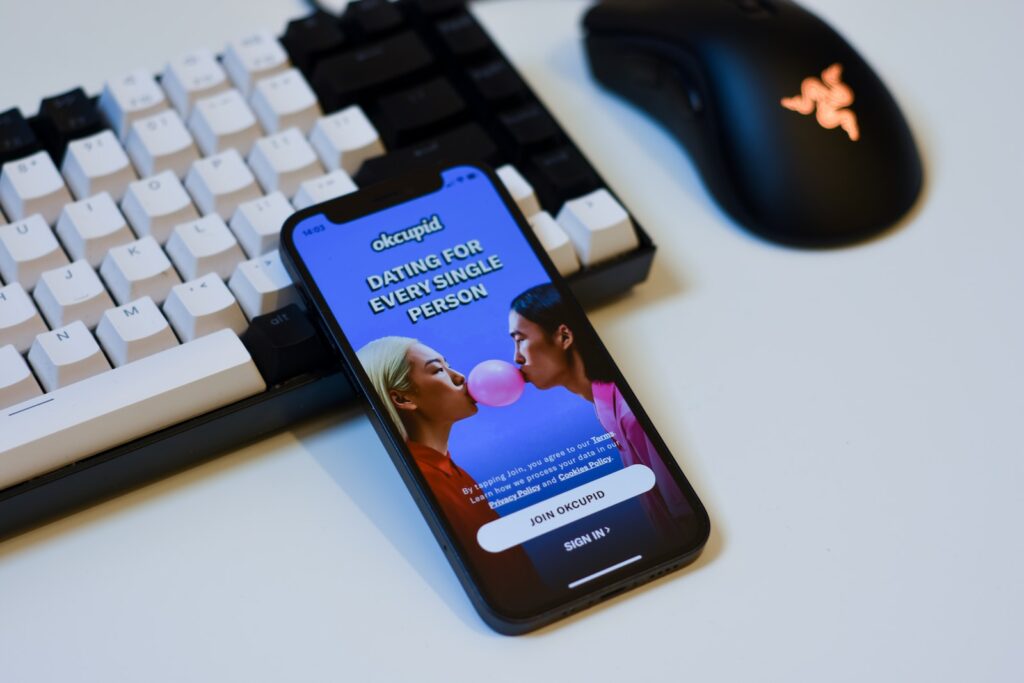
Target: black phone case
<point x="377" y="197"/>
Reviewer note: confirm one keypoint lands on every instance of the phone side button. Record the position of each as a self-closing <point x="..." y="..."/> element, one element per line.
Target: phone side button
<point x="285" y="344"/>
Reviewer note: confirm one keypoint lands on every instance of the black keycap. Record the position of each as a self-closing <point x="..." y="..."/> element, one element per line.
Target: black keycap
<point x="563" y="174"/>
<point x="530" y="126"/>
<point x="497" y="81"/>
<point x="462" y="35"/>
<point x="312" y="38"/>
<point x="401" y="115"/>
<point x="16" y="137"/>
<point x="466" y="144"/>
<point x="373" y="17"/>
<point x="285" y="344"/>
<point x="66" y="117"/>
<point x="339" y="79"/>
<point x="435" y="7"/>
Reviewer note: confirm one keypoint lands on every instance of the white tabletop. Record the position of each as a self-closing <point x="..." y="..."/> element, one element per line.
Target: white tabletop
<point x="851" y="419"/>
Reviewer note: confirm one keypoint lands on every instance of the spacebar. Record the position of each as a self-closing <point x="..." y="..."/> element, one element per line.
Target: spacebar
<point x="114" y="407"/>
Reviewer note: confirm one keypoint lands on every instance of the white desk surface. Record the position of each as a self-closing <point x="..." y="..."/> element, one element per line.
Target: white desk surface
<point x="851" y="419"/>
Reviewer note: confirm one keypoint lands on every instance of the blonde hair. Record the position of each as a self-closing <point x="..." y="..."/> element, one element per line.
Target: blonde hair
<point x="385" y="363"/>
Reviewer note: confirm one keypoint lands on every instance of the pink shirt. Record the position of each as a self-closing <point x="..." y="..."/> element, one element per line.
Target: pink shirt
<point x="636" y="448"/>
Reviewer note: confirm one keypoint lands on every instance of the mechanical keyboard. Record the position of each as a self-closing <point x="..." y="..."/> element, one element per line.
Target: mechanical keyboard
<point x="146" y="321"/>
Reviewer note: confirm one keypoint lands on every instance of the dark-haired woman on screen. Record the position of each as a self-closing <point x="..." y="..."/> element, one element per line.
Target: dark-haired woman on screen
<point x="551" y="352"/>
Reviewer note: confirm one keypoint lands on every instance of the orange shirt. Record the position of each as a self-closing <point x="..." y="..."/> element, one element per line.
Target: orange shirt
<point x="511" y="569"/>
<point x="453" y="489"/>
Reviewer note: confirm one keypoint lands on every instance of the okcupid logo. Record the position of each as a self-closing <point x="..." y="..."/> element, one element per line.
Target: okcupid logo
<point x="414" y="233"/>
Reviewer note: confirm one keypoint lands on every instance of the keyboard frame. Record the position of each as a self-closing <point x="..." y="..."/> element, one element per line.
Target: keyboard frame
<point x="186" y="444"/>
<point x="100" y="477"/>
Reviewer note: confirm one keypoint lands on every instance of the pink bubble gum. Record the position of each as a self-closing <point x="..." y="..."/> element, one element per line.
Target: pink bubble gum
<point x="496" y="383"/>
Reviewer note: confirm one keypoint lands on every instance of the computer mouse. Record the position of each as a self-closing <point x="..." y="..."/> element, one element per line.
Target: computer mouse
<point x="794" y="134"/>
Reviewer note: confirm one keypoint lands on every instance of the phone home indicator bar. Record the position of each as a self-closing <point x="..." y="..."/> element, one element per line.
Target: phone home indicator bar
<point x="565" y="508"/>
<point x="606" y="570"/>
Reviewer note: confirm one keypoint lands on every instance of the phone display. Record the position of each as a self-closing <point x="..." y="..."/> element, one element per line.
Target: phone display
<point x="528" y="453"/>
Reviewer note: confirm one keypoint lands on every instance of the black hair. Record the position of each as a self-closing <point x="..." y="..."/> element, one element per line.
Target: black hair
<point x="544" y="306"/>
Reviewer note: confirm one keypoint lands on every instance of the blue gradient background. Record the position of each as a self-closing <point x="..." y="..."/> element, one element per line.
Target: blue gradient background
<point x="496" y="439"/>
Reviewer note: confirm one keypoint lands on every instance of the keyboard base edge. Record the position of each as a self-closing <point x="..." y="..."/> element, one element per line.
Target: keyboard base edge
<point x="146" y="460"/>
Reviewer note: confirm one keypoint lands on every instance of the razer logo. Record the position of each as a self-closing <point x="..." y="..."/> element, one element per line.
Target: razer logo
<point x="831" y="96"/>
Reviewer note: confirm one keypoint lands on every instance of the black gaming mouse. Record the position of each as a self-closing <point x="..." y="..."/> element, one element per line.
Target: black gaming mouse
<point x="794" y="134"/>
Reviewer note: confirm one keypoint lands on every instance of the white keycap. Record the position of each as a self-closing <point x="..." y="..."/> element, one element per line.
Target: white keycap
<point x="161" y="143"/>
<point x="224" y="121"/>
<point x="283" y="160"/>
<point x="133" y="331"/>
<point x="221" y="182"/>
<point x="32" y="185"/>
<point x="72" y="292"/>
<point x="27" y="248"/>
<point x="16" y="381"/>
<point x="138" y="269"/>
<point x="66" y="355"/>
<point x="598" y="226"/>
<point x="115" y="407"/>
<point x="555" y="242"/>
<point x="202" y="306"/>
<point x="155" y="205"/>
<point x="204" y="246"/>
<point x="90" y="227"/>
<point x="257" y="223"/>
<point x="20" y="322"/>
<point x="316" y="190"/>
<point x="192" y="77"/>
<point x="97" y="164"/>
<point x="345" y="140"/>
<point x="129" y="98"/>
<point x="262" y="285"/>
<point x="254" y="57"/>
<point x="520" y="189"/>
<point x="285" y="100"/>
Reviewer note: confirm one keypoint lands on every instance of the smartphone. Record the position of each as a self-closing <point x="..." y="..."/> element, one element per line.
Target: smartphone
<point x="535" y="466"/>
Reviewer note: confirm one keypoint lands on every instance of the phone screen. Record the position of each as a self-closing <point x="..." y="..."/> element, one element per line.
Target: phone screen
<point x="506" y="408"/>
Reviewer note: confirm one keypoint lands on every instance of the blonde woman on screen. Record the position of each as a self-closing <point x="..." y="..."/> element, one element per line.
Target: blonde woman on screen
<point x="424" y="397"/>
